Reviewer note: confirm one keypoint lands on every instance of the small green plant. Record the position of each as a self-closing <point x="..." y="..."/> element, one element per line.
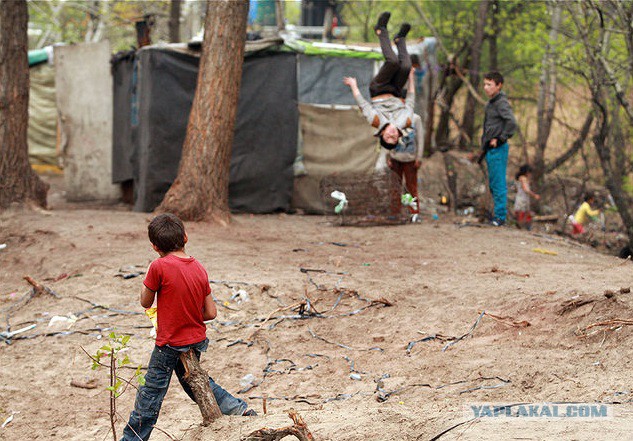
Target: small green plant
<point x="112" y="355"/>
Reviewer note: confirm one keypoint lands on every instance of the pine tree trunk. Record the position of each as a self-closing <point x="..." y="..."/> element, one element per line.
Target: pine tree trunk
<point x="201" y="189"/>
<point x="18" y="182"/>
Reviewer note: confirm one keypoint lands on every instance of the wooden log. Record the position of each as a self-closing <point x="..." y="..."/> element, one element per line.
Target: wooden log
<point x="198" y="380"/>
<point x="546" y="218"/>
<point x="299" y="430"/>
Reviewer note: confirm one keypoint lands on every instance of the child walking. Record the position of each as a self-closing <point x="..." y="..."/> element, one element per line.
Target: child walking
<point x="389" y="111"/>
<point x="584" y="214"/>
<point x="522" y="211"/>
<point x="184" y="302"/>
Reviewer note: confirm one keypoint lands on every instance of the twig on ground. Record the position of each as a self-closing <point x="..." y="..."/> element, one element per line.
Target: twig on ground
<point x="470" y="331"/>
<point x="508" y="321"/>
<point x="342" y="345"/>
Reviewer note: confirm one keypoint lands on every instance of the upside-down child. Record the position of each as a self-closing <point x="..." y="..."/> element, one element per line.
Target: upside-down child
<point x="389" y="112"/>
<point x="184" y="302"/>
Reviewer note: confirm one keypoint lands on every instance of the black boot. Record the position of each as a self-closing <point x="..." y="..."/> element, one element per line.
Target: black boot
<point x="383" y="19"/>
<point x="402" y="33"/>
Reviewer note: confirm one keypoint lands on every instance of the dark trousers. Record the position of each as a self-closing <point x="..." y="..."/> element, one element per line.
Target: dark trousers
<point x="410" y="174"/>
<point x="394" y="72"/>
<point x="149" y="397"/>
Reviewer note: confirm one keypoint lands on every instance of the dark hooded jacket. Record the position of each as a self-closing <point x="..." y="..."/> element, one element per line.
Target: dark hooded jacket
<point x="499" y="121"/>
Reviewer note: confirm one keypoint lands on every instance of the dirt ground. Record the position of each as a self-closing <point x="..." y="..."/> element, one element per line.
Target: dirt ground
<point x="438" y="277"/>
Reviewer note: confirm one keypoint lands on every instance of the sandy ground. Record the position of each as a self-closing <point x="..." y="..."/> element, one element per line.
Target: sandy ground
<point x="439" y="278"/>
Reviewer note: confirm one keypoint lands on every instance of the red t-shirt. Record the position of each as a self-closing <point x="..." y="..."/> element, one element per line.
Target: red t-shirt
<point x="181" y="285"/>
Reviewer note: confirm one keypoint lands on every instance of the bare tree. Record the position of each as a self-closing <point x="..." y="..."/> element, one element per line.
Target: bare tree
<point x="547" y="94"/>
<point x="595" y="25"/>
<point x="18" y="182"/>
<point x="468" y="121"/>
<point x="174" y="21"/>
<point x="201" y="189"/>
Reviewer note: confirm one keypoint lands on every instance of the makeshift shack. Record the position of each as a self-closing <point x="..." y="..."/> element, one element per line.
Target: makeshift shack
<point x="295" y="117"/>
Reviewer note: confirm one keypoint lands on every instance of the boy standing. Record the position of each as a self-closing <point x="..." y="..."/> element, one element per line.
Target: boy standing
<point x="499" y="126"/>
<point x="184" y="302"/>
<point x="388" y="111"/>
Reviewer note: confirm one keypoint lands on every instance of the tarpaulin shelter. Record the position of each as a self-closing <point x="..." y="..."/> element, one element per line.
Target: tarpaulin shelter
<point x="42" y="130"/>
<point x="295" y="118"/>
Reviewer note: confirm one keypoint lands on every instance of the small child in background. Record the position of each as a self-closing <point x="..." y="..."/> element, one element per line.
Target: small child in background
<point x="522" y="201"/>
<point x="584" y="214"/>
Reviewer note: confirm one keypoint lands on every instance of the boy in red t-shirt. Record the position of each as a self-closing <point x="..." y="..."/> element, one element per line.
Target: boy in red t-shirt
<point x="184" y="302"/>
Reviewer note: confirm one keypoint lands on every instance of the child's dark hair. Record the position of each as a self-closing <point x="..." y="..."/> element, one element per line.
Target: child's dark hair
<point x="589" y="195"/>
<point x="523" y="170"/>
<point x="494" y="76"/>
<point x="167" y="232"/>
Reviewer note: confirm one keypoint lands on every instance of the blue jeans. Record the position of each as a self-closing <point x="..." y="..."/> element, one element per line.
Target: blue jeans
<point x="497" y="161"/>
<point x="149" y="397"/>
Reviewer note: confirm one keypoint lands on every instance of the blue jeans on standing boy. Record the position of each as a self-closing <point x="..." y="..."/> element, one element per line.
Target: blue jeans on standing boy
<point x="497" y="161"/>
<point x="149" y="398"/>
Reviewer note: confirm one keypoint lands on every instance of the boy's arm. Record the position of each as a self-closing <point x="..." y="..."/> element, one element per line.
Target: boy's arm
<point x="209" y="311"/>
<point x="592" y="213"/>
<point x="368" y="111"/>
<point x="510" y="123"/>
<point x="147" y="297"/>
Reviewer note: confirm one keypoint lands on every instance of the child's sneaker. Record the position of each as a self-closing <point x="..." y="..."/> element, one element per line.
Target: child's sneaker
<point x="415" y="219"/>
<point x="250" y="413"/>
<point x="383" y="20"/>
<point x="497" y="222"/>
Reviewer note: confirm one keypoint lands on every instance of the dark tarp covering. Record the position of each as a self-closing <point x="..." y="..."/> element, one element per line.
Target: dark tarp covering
<point x="122" y="146"/>
<point x="321" y="78"/>
<point x="265" y="141"/>
<point x="165" y="88"/>
<point x="266" y="131"/>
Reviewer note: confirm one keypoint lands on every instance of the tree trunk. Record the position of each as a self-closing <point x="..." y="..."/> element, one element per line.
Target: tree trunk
<point x="546" y="99"/>
<point x="198" y="380"/>
<point x="468" y="121"/>
<point x="279" y="16"/>
<point x="492" y="39"/>
<point x="18" y="182"/>
<point x="612" y="180"/>
<point x="445" y="101"/>
<point x="174" y="21"/>
<point x="201" y="189"/>
<point x="575" y="147"/>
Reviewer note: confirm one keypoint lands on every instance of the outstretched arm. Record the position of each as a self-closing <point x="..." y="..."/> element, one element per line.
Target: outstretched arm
<point x="368" y="111"/>
<point x="526" y="187"/>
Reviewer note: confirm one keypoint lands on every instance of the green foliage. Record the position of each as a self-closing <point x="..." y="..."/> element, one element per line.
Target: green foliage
<point x="110" y="355"/>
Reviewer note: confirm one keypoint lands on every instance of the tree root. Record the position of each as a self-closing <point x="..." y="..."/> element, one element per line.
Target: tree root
<point x="299" y="429"/>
